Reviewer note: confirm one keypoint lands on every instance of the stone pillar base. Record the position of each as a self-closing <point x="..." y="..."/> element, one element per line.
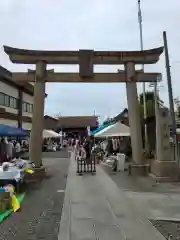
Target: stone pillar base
<point x="38" y="175"/>
<point x="139" y="169"/>
<point x="165" y="170"/>
<point x="40" y="172"/>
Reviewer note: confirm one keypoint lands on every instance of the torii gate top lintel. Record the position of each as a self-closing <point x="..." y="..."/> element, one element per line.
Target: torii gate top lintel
<point x="24" y="56"/>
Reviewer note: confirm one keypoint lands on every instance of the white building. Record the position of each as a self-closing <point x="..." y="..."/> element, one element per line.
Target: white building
<point x="16" y="101"/>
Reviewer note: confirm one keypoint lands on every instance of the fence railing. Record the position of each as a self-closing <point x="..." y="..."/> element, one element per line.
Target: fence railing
<point x="86" y="165"/>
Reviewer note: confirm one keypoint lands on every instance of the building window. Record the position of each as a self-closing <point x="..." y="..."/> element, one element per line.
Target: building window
<point x="24" y="107"/>
<point x="30" y="108"/>
<point x="2" y="98"/>
<point x="7" y="101"/>
<point x="16" y="103"/>
<point x="27" y="107"/>
<point x="13" y="102"/>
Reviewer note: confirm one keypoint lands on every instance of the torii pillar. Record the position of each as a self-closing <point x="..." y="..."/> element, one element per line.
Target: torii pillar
<point x="133" y="114"/>
<point x="35" y="149"/>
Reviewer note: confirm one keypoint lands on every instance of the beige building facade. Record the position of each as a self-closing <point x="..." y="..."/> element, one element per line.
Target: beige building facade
<point x="16" y="102"/>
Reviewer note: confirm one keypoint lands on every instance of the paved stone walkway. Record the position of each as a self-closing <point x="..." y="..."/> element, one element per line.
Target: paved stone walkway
<point x="40" y="215"/>
<point x="159" y="201"/>
<point x="96" y="209"/>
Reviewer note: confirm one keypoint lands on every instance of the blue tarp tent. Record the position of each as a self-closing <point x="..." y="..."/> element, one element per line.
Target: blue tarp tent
<point x="7" y="131"/>
<point x="101" y="128"/>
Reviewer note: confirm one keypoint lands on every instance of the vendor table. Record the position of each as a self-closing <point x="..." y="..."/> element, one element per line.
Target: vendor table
<point x="12" y="176"/>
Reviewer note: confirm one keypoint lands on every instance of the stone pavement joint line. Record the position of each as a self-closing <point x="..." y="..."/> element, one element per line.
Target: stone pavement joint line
<point x="96" y="209"/>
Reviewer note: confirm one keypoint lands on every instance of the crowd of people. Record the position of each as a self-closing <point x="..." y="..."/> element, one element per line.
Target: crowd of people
<point x="118" y="145"/>
<point x="81" y="147"/>
<point x="109" y="147"/>
<point x="10" y="149"/>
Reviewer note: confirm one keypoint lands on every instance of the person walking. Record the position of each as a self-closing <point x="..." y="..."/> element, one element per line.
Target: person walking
<point x="3" y="155"/>
<point x="9" y="148"/>
<point x="87" y="147"/>
<point x="77" y="149"/>
<point x="18" y="149"/>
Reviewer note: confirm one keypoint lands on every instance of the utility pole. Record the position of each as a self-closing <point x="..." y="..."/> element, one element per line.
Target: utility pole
<point x="144" y="84"/>
<point x="170" y="94"/>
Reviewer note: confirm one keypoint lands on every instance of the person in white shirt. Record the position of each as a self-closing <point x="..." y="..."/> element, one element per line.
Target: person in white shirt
<point x="77" y="149"/>
<point x="9" y="148"/>
<point x="82" y="153"/>
<point x="18" y="149"/>
<point x="64" y="143"/>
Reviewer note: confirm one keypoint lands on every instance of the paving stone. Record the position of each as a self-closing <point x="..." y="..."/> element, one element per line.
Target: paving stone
<point x="95" y="208"/>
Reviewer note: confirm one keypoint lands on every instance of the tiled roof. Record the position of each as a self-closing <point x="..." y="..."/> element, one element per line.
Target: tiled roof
<point x="77" y="121"/>
<point x="52" y="118"/>
<point x="120" y="116"/>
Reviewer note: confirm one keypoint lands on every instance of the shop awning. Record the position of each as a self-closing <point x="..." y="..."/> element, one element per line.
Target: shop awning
<point x="50" y="134"/>
<point x="7" y="131"/>
<point x="115" y="130"/>
<point x="99" y="129"/>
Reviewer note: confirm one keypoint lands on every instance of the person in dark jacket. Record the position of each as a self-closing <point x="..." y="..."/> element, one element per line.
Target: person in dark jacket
<point x="3" y="154"/>
<point x="87" y="147"/>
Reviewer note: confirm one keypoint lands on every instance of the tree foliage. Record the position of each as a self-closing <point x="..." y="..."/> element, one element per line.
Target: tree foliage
<point x="150" y="105"/>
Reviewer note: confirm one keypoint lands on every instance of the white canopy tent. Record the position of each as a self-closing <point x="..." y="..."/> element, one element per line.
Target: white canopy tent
<point x="116" y="130"/>
<point x="50" y="134"/>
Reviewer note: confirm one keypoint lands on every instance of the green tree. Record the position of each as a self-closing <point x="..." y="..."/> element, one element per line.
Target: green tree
<point x="150" y="104"/>
<point x="150" y="109"/>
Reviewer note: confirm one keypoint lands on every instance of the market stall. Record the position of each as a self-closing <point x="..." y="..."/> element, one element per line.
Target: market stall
<point x="115" y="130"/>
<point x="100" y="128"/>
<point x="50" y="134"/>
<point x="114" y="133"/>
<point x="7" y="131"/>
<point x="12" y="178"/>
<point x="9" y="202"/>
<point x="12" y="173"/>
<point x="50" y="145"/>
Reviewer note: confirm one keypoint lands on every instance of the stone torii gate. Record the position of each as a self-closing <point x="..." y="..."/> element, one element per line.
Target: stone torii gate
<point x="86" y="59"/>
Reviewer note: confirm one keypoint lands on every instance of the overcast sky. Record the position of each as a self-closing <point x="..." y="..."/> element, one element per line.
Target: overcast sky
<point x="90" y="24"/>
